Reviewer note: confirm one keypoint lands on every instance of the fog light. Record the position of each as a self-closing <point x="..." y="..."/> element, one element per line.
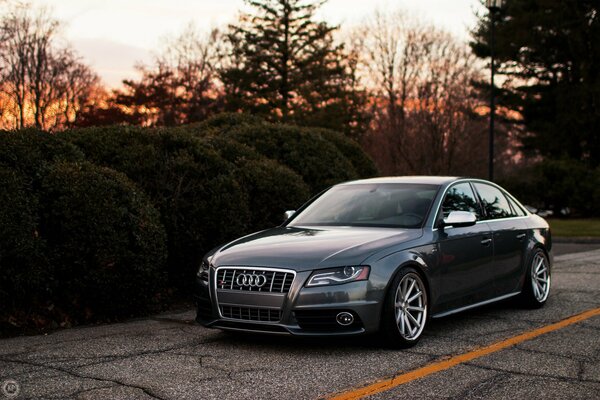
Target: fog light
<point x="344" y="318"/>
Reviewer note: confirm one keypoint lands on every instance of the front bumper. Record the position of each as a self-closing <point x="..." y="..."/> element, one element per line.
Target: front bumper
<point x="301" y="311"/>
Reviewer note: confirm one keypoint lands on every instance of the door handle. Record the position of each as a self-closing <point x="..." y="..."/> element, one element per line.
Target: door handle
<point x="521" y="236"/>
<point x="486" y="242"/>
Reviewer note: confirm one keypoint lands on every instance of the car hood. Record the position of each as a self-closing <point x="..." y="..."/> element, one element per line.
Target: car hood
<point x="302" y="248"/>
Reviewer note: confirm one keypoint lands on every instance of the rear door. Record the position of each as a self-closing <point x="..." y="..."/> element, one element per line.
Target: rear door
<point x="509" y="230"/>
<point x="465" y="253"/>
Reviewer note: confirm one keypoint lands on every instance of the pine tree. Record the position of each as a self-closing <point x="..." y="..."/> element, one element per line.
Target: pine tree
<point x="286" y="66"/>
<point x="548" y="52"/>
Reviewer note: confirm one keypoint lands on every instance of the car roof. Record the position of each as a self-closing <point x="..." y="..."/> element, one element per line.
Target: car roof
<point x="431" y="180"/>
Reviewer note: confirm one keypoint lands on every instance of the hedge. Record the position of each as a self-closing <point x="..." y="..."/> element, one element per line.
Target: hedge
<point x="321" y="157"/>
<point x="94" y="219"/>
<point x="77" y="242"/>
<point x="31" y="152"/>
<point x="362" y="163"/>
<point x="200" y="202"/>
<point x="314" y="158"/>
<point x="557" y="185"/>
<point x="105" y="241"/>
<point x="226" y="121"/>
<point x="24" y="270"/>
<point x="270" y="188"/>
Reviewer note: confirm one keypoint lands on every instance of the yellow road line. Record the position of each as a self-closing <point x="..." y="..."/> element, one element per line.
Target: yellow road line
<point x="443" y="364"/>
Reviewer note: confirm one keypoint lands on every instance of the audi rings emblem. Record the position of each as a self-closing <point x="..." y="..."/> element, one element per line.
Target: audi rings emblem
<point x="251" y="280"/>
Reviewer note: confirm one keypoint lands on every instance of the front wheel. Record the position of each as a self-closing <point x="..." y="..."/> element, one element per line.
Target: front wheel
<point x="405" y="310"/>
<point x="537" y="281"/>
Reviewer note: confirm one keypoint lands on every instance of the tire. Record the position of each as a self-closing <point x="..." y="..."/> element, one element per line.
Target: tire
<point x="403" y="321"/>
<point x="536" y="287"/>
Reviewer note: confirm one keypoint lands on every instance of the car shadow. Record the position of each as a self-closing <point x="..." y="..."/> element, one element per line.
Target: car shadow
<point x="435" y="328"/>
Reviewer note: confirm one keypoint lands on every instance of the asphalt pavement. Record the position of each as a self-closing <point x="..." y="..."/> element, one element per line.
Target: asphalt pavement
<point x="569" y="245"/>
<point x="170" y="357"/>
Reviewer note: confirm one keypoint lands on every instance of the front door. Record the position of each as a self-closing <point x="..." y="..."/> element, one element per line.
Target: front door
<point x="465" y="254"/>
<point x="509" y="229"/>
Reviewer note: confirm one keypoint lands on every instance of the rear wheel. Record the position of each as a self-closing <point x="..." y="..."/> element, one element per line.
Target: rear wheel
<point x="537" y="281"/>
<point x="405" y="309"/>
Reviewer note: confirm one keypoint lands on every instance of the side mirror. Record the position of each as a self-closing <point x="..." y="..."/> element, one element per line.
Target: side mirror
<point x="460" y="219"/>
<point x="288" y="214"/>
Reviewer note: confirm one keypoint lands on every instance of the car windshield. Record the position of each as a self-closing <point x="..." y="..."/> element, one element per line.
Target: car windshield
<point x="398" y="205"/>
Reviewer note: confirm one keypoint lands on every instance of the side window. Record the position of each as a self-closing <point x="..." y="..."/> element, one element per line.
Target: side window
<point x="460" y="197"/>
<point x="518" y="210"/>
<point x="494" y="202"/>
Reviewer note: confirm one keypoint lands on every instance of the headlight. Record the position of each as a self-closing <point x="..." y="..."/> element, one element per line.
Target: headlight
<point x="337" y="276"/>
<point x="203" y="271"/>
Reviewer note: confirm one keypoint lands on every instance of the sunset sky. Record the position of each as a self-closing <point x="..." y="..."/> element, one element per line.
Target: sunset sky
<point x="113" y="35"/>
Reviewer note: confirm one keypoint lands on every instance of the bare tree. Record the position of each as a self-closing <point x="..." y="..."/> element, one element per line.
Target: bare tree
<point x="43" y="66"/>
<point x="192" y="56"/>
<point x="37" y="75"/>
<point x="447" y="133"/>
<point x="82" y="87"/>
<point x="393" y="54"/>
<point x="421" y="79"/>
<point x="180" y="86"/>
<point x="14" y="55"/>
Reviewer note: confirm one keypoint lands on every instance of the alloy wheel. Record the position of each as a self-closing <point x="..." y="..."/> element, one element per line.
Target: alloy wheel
<point x="411" y="306"/>
<point x="540" y="277"/>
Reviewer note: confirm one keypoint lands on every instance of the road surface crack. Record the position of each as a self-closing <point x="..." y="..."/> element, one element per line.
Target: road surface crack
<point x="579" y="357"/>
<point x="484" y="386"/>
<point x="532" y="374"/>
<point x="146" y="391"/>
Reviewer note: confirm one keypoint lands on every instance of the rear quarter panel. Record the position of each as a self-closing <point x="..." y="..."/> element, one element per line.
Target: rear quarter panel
<point x="540" y="236"/>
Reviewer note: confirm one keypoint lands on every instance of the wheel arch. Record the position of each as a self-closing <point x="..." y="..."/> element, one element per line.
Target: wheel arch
<point x="526" y="294"/>
<point x="420" y="266"/>
<point x="535" y="245"/>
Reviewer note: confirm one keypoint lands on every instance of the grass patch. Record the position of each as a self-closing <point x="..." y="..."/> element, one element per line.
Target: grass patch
<point x="575" y="227"/>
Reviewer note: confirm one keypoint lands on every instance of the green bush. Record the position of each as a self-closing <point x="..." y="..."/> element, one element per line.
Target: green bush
<point x="321" y="157"/>
<point x="31" y="152"/>
<point x="523" y="183"/>
<point x="569" y="183"/>
<point x="362" y="163"/>
<point x="200" y="202"/>
<point x="230" y="150"/>
<point x="226" y="121"/>
<point x="272" y="189"/>
<point x="105" y="241"/>
<point x="315" y="159"/>
<point x="26" y="275"/>
<point x="557" y="184"/>
<point x="89" y="216"/>
<point x="24" y="272"/>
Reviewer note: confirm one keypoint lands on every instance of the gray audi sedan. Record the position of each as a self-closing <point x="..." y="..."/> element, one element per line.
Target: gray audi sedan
<point x="379" y="255"/>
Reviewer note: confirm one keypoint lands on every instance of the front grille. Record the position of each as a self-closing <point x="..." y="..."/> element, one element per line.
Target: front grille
<point x="251" y="313"/>
<point x="274" y="281"/>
